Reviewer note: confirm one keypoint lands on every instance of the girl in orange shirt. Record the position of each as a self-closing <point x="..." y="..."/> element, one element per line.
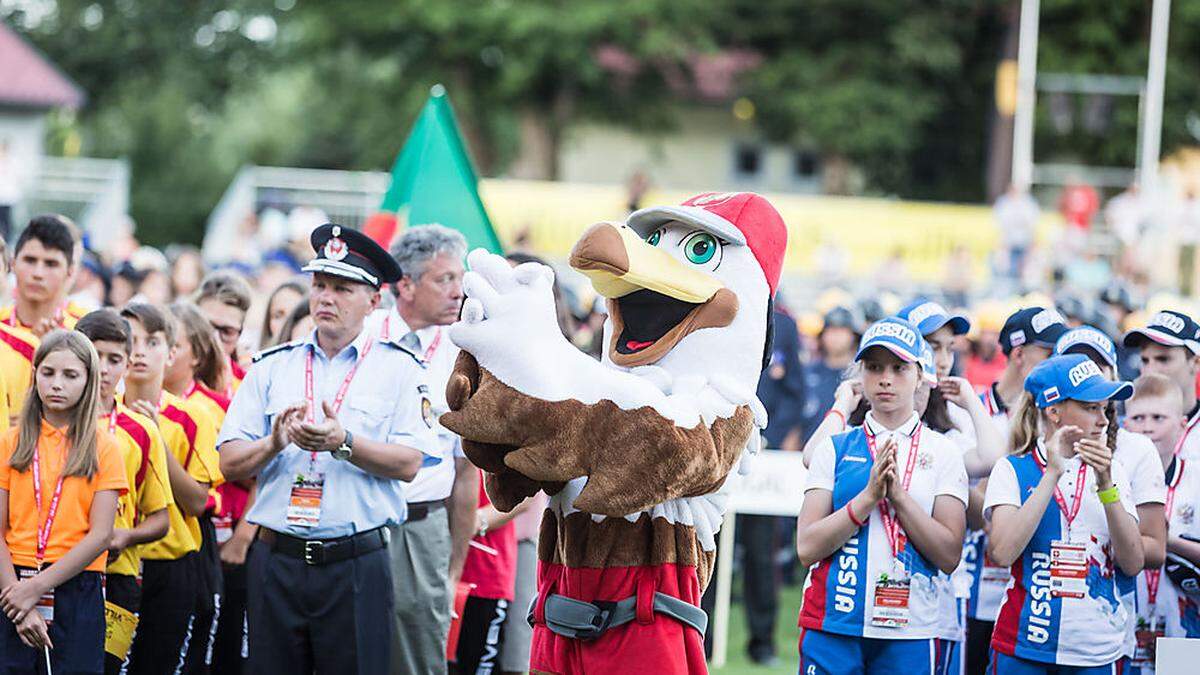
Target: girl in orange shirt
<point x="60" y="477"/>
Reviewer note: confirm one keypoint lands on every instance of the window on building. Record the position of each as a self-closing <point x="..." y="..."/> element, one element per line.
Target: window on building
<point x="804" y="164"/>
<point x="747" y="161"/>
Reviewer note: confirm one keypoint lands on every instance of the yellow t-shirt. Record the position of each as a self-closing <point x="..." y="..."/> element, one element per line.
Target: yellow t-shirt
<point x="17" y="345"/>
<point x="16" y="367"/>
<point x="146" y="471"/>
<point x="191" y="435"/>
<point x="213" y="403"/>
<point x="71" y="313"/>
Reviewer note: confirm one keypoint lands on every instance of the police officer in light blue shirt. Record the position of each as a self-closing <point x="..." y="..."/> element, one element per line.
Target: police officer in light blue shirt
<point x="329" y="425"/>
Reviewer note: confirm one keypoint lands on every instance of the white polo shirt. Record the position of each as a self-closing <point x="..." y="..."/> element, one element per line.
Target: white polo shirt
<point x="438" y="353"/>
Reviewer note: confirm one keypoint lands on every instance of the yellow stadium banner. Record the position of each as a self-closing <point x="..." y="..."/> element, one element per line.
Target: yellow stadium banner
<point x="550" y="216"/>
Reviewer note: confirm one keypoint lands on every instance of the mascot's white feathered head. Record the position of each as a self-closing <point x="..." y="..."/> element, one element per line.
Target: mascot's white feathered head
<point x="689" y="287"/>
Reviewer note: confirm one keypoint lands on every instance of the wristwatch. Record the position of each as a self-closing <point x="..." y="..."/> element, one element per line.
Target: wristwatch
<point x="346" y="449"/>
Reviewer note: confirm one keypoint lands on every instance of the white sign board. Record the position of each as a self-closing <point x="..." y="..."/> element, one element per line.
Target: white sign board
<point x="774" y="486"/>
<point x="1177" y="656"/>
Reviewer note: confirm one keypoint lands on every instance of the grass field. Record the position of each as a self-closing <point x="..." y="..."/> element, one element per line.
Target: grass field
<point x="786" y="634"/>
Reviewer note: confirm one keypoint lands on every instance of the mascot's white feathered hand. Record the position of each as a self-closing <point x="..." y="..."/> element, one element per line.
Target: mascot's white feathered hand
<point x="534" y="412"/>
<point x="509" y="324"/>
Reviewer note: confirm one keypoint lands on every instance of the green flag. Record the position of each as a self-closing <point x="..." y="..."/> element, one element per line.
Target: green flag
<point x="433" y="181"/>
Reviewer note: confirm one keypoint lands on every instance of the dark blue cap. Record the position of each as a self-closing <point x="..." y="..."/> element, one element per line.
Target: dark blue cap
<point x="1032" y="325"/>
<point x="1168" y="328"/>
<point x="350" y="254"/>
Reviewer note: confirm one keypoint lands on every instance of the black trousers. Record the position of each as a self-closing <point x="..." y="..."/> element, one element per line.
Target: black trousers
<point x="77" y="633"/>
<point x="125" y="592"/>
<point x="760" y="581"/>
<point x="335" y="619"/>
<point x="230" y="648"/>
<point x="979" y="642"/>
<point x="167" y="621"/>
<point x="209" y="600"/>
<point x="758" y="539"/>
<point x="481" y="636"/>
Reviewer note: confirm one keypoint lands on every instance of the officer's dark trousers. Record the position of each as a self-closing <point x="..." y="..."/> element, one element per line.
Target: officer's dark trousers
<point x="331" y="619"/>
<point x="760" y="582"/>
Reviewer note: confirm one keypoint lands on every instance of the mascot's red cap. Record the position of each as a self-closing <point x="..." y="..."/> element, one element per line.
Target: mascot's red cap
<point x="741" y="218"/>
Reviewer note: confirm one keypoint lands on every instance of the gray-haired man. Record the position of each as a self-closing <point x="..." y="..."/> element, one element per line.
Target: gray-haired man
<point x="428" y="550"/>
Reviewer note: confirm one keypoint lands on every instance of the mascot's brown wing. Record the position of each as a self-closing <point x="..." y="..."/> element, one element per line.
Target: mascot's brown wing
<point x="633" y="459"/>
<point x="484" y="428"/>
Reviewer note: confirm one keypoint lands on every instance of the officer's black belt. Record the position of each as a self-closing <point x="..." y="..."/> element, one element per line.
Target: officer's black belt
<point x="324" y="551"/>
<point x="421" y="510"/>
<point x="581" y="620"/>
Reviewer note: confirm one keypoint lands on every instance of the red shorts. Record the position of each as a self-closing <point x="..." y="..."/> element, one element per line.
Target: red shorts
<point x="649" y="644"/>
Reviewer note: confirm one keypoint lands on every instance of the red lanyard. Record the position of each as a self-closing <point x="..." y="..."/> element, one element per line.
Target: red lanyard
<point x="1155" y="575"/>
<point x="891" y="524"/>
<point x="1186" y="432"/>
<point x="1068" y="514"/>
<point x="112" y="419"/>
<point x="989" y="398"/>
<point x="437" y="338"/>
<point x="12" y="318"/>
<point x="43" y="532"/>
<point x="341" y="392"/>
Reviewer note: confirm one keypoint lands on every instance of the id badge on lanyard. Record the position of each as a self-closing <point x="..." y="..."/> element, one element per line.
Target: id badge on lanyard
<point x="45" y="604"/>
<point x="223" y="524"/>
<point x="1147" y="634"/>
<point x="890" y="596"/>
<point x="1149" y="630"/>
<point x="1069" y="559"/>
<point x="308" y="487"/>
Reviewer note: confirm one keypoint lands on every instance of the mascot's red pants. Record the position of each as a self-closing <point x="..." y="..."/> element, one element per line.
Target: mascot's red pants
<point x="652" y="643"/>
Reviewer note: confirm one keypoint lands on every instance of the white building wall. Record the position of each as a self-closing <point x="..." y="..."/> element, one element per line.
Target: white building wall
<point x="21" y="142"/>
<point x="700" y="154"/>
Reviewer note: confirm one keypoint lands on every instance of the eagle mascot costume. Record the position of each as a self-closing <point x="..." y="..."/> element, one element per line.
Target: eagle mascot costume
<point x="634" y="449"/>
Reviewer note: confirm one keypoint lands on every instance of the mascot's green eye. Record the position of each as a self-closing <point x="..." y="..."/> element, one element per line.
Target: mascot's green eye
<point x="700" y="248"/>
<point x="654" y="238"/>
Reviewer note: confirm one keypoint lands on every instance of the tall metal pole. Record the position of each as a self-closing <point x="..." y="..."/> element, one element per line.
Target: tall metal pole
<point x="1156" y="75"/>
<point x="1022" y="166"/>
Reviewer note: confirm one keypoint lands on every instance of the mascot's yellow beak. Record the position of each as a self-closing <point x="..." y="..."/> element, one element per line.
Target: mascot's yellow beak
<point x="654" y="299"/>
<point x="618" y="262"/>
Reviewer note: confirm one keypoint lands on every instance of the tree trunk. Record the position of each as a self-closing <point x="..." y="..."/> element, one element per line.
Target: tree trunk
<point x="537" y="158"/>
<point x="1000" y="136"/>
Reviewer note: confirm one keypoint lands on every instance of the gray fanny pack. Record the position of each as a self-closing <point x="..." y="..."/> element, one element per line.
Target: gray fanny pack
<point x="581" y="620"/>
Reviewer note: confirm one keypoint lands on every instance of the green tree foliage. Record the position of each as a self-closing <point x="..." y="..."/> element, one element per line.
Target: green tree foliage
<point x="901" y="90"/>
<point x="158" y="76"/>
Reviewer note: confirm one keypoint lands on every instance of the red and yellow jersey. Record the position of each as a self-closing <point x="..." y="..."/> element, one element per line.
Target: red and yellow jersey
<point x="17" y="345"/>
<point x="237" y="374"/>
<point x="214" y="403"/>
<point x="16" y="366"/>
<point x="67" y="317"/>
<point x="146" y="472"/>
<point x="190" y="434"/>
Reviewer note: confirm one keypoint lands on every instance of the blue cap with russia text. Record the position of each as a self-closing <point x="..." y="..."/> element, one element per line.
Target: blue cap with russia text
<point x="1073" y="377"/>
<point x="1086" y="339"/>
<point x="928" y="366"/>
<point x="929" y="316"/>
<point x="897" y="336"/>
